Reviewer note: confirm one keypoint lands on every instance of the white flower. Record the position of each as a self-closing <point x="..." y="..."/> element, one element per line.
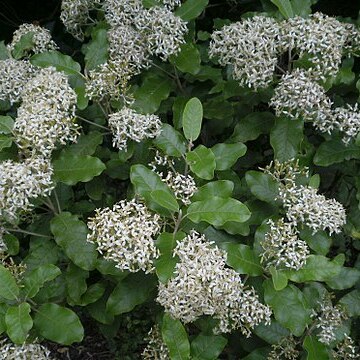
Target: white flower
<point x="109" y="80"/>
<point x="121" y="12"/>
<point x="283" y="248"/>
<point x="202" y="285"/>
<point x="128" y="46"/>
<point x="285" y="349"/>
<point x="164" y="31"/>
<point x="183" y="186"/>
<point x="128" y="124"/>
<point x="171" y="4"/>
<point x="347" y="121"/>
<point x="75" y="15"/>
<point x="47" y="113"/>
<point x="125" y="234"/>
<point x="156" y="348"/>
<point x="297" y="95"/>
<point x="14" y="74"/>
<point x="319" y="37"/>
<point x="346" y="350"/>
<point x="41" y="38"/>
<point x="11" y="351"/>
<point x="251" y="46"/>
<point x="22" y="182"/>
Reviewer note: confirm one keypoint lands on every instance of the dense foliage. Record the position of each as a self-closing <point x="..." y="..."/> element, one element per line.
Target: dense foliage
<point x="182" y="178"/>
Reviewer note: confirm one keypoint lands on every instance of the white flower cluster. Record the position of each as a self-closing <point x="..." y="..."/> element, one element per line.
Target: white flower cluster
<point x="297" y="95"/>
<point x="183" y="186"/>
<point x="125" y="234"/>
<point x="11" y="351"/>
<point x="47" y="113"/>
<point x="203" y="285"/>
<point x="128" y="124"/>
<point x="283" y="248"/>
<point x="171" y="4"/>
<point x="347" y="121"/>
<point x="346" y="350"/>
<point x="120" y="12"/>
<point x="302" y="203"/>
<point x="14" y="74"/>
<point x="251" y="46"/>
<point x="22" y="182"/>
<point x="41" y="38"/>
<point x="155" y="349"/>
<point x="319" y="38"/>
<point x="75" y="15"/>
<point x="327" y="320"/>
<point x="164" y="31"/>
<point x="285" y="349"/>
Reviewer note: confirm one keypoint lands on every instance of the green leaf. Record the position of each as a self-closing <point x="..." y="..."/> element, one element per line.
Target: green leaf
<point x="317" y="268"/>
<point x="272" y="333"/>
<point x="284" y="7"/>
<point x="285" y="138"/>
<point x="70" y="234"/>
<point x="334" y="151"/>
<point x="4" y="53"/>
<point x="345" y="279"/>
<point x="262" y="186"/>
<point x="320" y="242"/>
<point x="191" y="9"/>
<point x="279" y="279"/>
<point x="8" y="287"/>
<point x="226" y="155"/>
<point x="18" y="322"/>
<point x="243" y="260"/>
<point x="217" y="211"/>
<point x="202" y="162"/>
<point x="165" y="199"/>
<point x="252" y="126"/>
<point x="351" y="302"/>
<point x="23" y="46"/>
<point x="146" y="182"/>
<point x="75" y="283"/>
<point x="36" y="279"/>
<point x="220" y="188"/>
<point x="188" y="59"/>
<point x="151" y="93"/>
<point x="207" y="347"/>
<point x="170" y="141"/>
<point x="315" y="349"/>
<point x="175" y="338"/>
<point x="71" y="169"/>
<point x="92" y="294"/>
<point x="96" y="51"/>
<point x="77" y="82"/>
<point x="3" y="309"/>
<point x="59" y="324"/>
<point x="86" y="144"/>
<point x="5" y="141"/>
<point x="6" y="124"/>
<point x="60" y="61"/>
<point x="134" y="290"/>
<point x="302" y="7"/>
<point x="192" y="119"/>
<point x="289" y="306"/>
<point x="12" y="244"/>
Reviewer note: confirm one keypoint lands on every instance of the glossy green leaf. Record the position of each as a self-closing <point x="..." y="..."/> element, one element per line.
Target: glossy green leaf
<point x="170" y="141"/>
<point x="36" y="279"/>
<point x="202" y="162"/>
<point x="18" y="322"/>
<point x="134" y="290"/>
<point x="272" y="333"/>
<point x="220" y="188"/>
<point x="93" y="293"/>
<point x="297" y="314"/>
<point x="191" y="9"/>
<point x="334" y="151"/>
<point x="60" y="61"/>
<point x="71" y="169"/>
<point x="217" y="211"/>
<point x="3" y="309"/>
<point x="286" y="137"/>
<point x="96" y="51"/>
<point x="23" y="45"/>
<point x="75" y="283"/>
<point x="165" y="199"/>
<point x="86" y="144"/>
<point x="70" y="234"/>
<point x="175" y="338"/>
<point x="284" y="7"/>
<point x="5" y="141"/>
<point x="279" y="279"/>
<point x="59" y="324"/>
<point x="6" y="124"/>
<point x="226" y="155"/>
<point x="345" y="279"/>
<point x="192" y="119"/>
<point x="262" y="186"/>
<point x="8" y="287"/>
<point x="320" y="242"/>
<point x="243" y="260"/>
<point x="315" y="349"/>
<point x="351" y="302"/>
<point x="188" y="59"/>
<point x="207" y="347"/>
